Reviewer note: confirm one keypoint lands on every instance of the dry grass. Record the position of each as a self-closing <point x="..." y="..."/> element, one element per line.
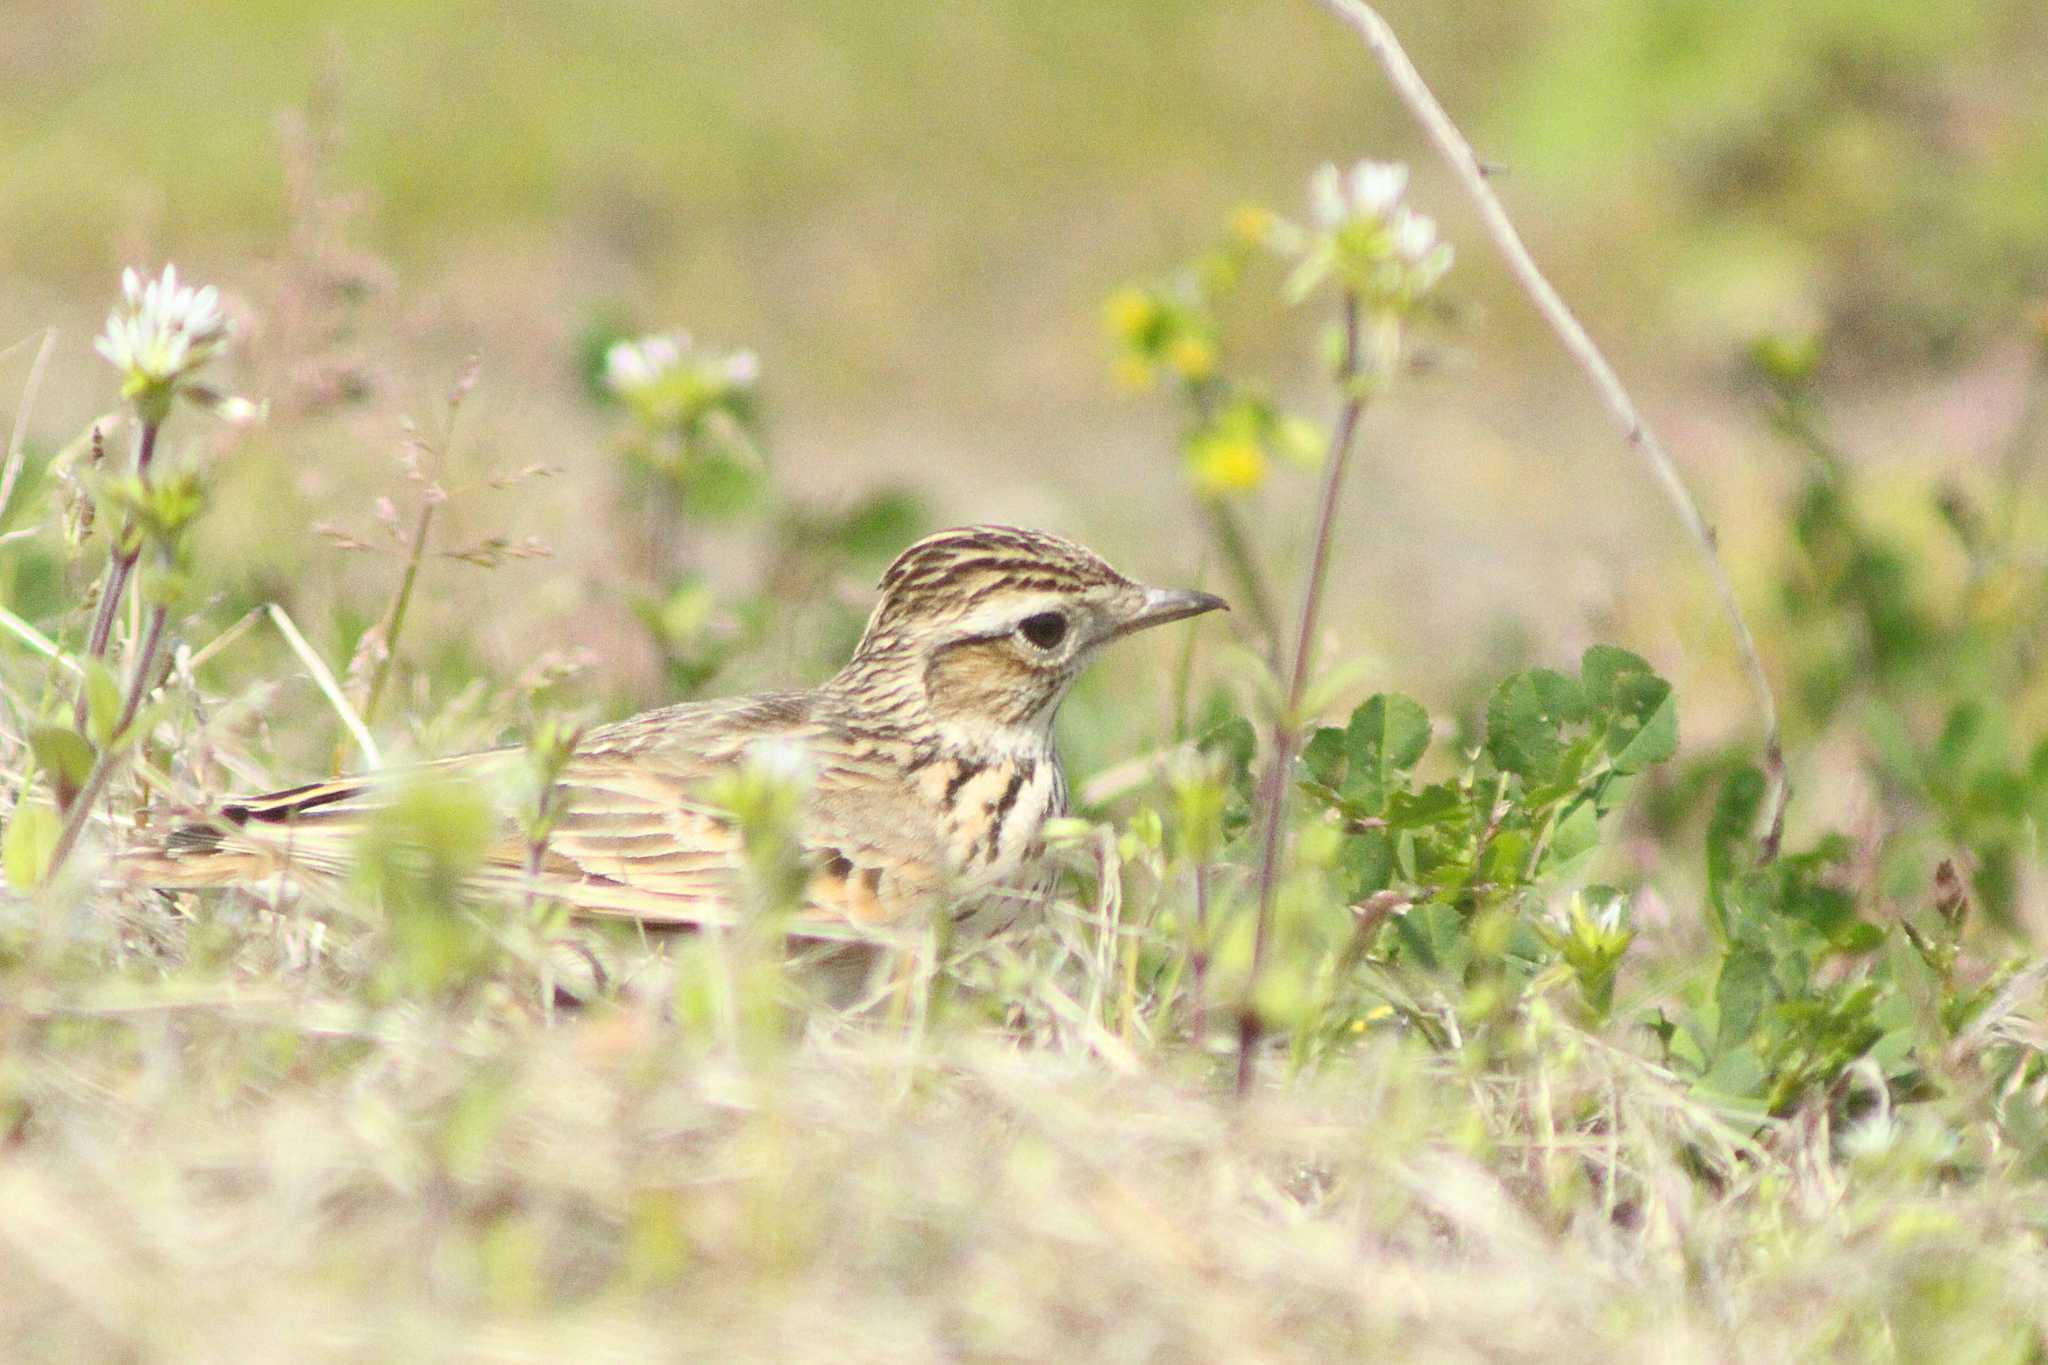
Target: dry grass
<point x="282" y="1180"/>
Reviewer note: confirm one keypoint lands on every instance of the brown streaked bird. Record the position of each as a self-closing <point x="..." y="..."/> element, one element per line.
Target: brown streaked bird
<point x="930" y="761"/>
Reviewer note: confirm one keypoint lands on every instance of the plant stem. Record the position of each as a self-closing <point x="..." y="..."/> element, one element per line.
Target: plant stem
<point x="1333" y="480"/>
<point x="1286" y="725"/>
<point x="1244" y="567"/>
<point x="139" y="686"/>
<point x="120" y="568"/>
<point x="1238" y="560"/>
<point x="1471" y="172"/>
<point x="394" y="620"/>
<point x="1198" y="1022"/>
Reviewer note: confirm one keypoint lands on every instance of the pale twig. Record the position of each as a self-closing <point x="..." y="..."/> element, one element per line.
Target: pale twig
<point x="17" y="440"/>
<point x="323" y="678"/>
<point x="1578" y="343"/>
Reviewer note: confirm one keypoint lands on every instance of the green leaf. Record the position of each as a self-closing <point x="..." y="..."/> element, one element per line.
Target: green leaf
<point x="1525" y="720"/>
<point x="1387" y="736"/>
<point x="1745" y="986"/>
<point x="1237" y="743"/>
<point x="1505" y="857"/>
<point x="69" y="759"/>
<point x="1435" y="804"/>
<point x="1434" y="934"/>
<point x="1735" y="1085"/>
<point x="1640" y="712"/>
<point x="26" y="848"/>
<point x="1576" y="836"/>
<point x="1728" y="833"/>
<point x="1611" y="792"/>
<point x="1367" y="863"/>
<point x="1603" y="668"/>
<point x="1323" y="757"/>
<point x="102" y="700"/>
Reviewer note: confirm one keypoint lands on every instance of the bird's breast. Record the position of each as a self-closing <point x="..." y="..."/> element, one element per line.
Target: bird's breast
<point x="992" y="808"/>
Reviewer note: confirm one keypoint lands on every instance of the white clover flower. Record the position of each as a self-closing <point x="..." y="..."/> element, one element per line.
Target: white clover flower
<point x="634" y="366"/>
<point x="164" y="331"/>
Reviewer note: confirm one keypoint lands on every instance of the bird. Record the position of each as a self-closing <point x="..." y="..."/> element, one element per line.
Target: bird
<point x="927" y="765"/>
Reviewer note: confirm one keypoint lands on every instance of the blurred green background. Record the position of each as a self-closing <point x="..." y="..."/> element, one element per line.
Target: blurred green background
<point x="913" y="209"/>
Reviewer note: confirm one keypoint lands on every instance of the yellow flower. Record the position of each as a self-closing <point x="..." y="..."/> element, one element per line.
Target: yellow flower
<point x="1131" y="373"/>
<point x="1224" y="464"/>
<point x="1251" y="223"/>
<point x="1130" y="313"/>
<point x="1193" y="355"/>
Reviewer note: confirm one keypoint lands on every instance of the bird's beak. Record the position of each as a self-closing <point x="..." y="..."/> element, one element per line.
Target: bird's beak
<point x="1171" y="604"/>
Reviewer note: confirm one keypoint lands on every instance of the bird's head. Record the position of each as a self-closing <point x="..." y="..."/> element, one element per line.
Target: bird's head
<point x="991" y="624"/>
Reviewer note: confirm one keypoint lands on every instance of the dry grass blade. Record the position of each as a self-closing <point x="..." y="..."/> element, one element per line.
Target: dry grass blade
<point x="36" y="640"/>
<point x="330" y="688"/>
<point x="17" y="440"/>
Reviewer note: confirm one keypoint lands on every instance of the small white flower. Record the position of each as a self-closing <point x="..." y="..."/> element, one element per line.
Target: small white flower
<point x="164" y="332"/>
<point x="742" y="368"/>
<point x="1377" y="187"/>
<point x="1608" y="918"/>
<point x="782" y="761"/>
<point x="634" y="366"/>
<point x="1427" y="259"/>
<point x="1370" y="193"/>
<point x="1414" y="236"/>
<point x="1326" y="196"/>
<point x="639" y="369"/>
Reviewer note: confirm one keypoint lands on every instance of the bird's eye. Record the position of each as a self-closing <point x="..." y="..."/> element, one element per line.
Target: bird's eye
<point x="1044" y="630"/>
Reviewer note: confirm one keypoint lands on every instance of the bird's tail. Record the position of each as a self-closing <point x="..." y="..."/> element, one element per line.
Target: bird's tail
<point x="309" y="830"/>
<point x="312" y="833"/>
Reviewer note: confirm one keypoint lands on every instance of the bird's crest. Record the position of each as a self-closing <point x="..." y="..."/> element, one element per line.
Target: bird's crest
<point x="960" y="567"/>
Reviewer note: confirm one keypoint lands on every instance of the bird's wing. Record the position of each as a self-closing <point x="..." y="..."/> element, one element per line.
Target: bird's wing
<point x="636" y="833"/>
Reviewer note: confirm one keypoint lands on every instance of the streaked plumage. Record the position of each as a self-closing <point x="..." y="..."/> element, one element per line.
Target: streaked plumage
<point x="929" y="758"/>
